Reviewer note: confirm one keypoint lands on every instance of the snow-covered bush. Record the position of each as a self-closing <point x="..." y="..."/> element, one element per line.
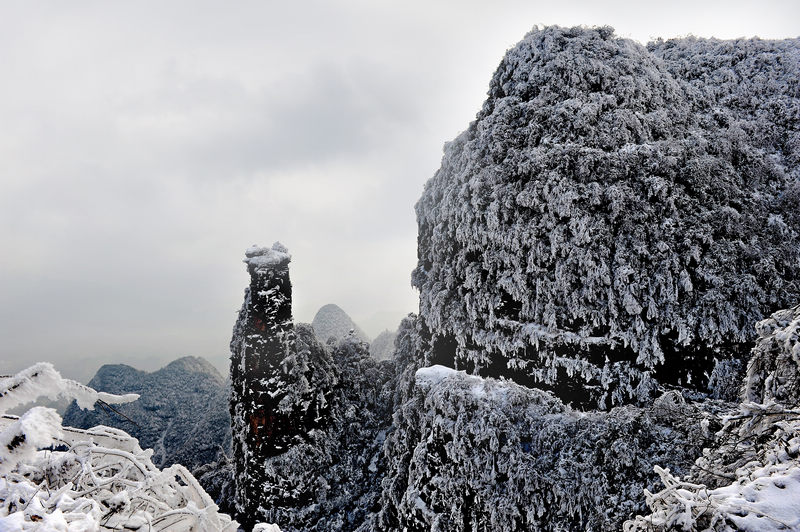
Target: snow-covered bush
<point x="615" y="218"/>
<point x="749" y="479"/>
<point x="469" y="453"/>
<point x="61" y="478"/>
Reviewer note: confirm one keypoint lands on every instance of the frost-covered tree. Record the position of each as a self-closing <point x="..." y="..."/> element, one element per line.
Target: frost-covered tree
<point x="615" y="218"/>
<point x="332" y="480"/>
<point x="469" y="453"/>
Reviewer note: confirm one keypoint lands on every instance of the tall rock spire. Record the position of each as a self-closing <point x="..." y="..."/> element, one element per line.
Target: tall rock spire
<point x="262" y="338"/>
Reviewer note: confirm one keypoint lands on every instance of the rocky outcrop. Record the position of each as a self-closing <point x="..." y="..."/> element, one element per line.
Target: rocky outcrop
<point x="617" y="217"/>
<point x="309" y="420"/>
<point x="280" y="383"/>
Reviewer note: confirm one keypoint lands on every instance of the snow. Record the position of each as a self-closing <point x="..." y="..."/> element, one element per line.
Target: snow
<point x="42" y="380"/>
<point x="435" y="374"/>
<point x="102" y="480"/>
<point x="267" y="258"/>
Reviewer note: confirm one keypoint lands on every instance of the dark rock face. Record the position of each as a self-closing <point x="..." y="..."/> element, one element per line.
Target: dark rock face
<point x="181" y="412"/>
<point x="616" y="218"/>
<point x="309" y="420"/>
<point x="280" y="382"/>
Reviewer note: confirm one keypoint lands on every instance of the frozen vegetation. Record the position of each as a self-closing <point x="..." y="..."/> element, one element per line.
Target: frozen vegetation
<point x="617" y="217"/>
<point x="749" y="479"/>
<point x="61" y="478"/>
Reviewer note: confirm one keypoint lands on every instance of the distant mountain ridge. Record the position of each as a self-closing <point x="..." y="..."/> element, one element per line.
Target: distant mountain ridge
<point x="332" y="321"/>
<point x="182" y="413"/>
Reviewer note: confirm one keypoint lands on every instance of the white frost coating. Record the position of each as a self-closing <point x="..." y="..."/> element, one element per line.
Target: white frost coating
<point x="612" y="194"/>
<point x="21" y="439"/>
<point x="103" y="481"/>
<point x="42" y="380"/>
<point x="263" y="257"/>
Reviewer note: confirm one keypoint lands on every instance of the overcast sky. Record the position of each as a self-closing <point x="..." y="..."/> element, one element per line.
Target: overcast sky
<point x="145" y="145"/>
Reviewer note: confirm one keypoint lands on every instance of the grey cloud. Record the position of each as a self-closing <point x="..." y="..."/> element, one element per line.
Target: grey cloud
<point x="145" y="145"/>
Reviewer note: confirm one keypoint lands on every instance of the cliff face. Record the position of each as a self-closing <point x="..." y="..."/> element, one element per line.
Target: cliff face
<point x="616" y="217"/>
<point x="181" y="413"/>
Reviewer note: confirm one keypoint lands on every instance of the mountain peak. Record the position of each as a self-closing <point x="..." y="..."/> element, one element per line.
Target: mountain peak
<point x="332" y="321"/>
